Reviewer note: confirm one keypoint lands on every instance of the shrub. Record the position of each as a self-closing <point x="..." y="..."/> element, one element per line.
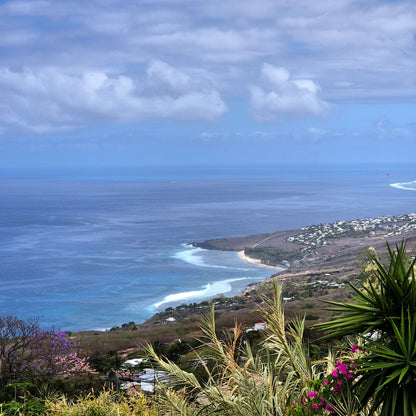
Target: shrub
<point x="106" y="403"/>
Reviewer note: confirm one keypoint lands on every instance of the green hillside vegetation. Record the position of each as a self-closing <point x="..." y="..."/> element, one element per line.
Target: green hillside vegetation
<point x="271" y="256"/>
<point x="363" y="364"/>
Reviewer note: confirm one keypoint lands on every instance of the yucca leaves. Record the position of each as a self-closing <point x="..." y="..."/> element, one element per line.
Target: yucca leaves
<point x="379" y="300"/>
<point x="383" y="312"/>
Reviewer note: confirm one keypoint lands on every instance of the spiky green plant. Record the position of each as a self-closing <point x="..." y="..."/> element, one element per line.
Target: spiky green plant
<point x="241" y="383"/>
<point x="383" y="314"/>
<point x="379" y="300"/>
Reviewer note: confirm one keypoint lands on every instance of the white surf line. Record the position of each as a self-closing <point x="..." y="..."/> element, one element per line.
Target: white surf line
<point x="402" y="185"/>
<point x="209" y="290"/>
<point x="191" y="256"/>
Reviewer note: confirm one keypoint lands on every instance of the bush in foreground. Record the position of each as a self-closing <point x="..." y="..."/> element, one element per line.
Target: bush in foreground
<point x="106" y="403"/>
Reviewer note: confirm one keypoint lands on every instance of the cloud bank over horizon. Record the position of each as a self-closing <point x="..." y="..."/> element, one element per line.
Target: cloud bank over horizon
<point x="280" y="70"/>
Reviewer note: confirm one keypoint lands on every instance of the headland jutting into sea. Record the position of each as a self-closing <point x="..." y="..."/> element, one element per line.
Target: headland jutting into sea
<point x="314" y="262"/>
<point x="317" y="242"/>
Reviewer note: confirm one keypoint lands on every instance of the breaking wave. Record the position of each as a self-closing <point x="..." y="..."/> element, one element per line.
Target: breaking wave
<point x="208" y="291"/>
<point x="409" y="186"/>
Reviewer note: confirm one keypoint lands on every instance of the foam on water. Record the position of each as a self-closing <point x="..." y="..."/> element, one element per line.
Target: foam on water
<point x="208" y="291"/>
<point x="409" y="186"/>
<point x="194" y="256"/>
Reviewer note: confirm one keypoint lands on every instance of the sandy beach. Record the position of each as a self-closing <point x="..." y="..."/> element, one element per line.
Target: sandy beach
<point x="257" y="262"/>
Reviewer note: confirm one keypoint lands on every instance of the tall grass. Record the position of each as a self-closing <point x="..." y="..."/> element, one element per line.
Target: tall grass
<point x="240" y="383"/>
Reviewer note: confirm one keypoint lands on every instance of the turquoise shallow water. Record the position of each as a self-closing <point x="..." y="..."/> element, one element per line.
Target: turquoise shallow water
<point x="85" y="250"/>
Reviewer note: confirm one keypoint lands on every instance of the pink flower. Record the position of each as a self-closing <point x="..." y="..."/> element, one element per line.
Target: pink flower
<point x="313" y="394"/>
<point x="325" y="383"/>
<point x="338" y="386"/>
<point x="343" y="368"/>
<point x="303" y="400"/>
<point x="330" y="409"/>
<point x="335" y="374"/>
<point x="355" y="347"/>
<point x="315" y="406"/>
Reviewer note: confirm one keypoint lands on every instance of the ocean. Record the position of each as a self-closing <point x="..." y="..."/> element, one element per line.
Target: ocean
<point x="92" y="249"/>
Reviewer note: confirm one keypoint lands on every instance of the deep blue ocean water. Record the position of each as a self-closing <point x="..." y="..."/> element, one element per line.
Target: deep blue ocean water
<point x="94" y="249"/>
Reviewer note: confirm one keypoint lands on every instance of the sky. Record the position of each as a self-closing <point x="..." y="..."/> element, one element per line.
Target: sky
<point x="103" y="83"/>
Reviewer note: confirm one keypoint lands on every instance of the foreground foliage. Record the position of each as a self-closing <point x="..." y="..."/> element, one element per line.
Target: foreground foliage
<point x="383" y="314"/>
<point x="106" y="403"/>
<point x="241" y="383"/>
<point x="371" y="371"/>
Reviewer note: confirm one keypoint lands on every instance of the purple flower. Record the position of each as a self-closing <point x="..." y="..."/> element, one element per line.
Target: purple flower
<point x="355" y="347"/>
<point x="338" y="386"/>
<point x="313" y="394"/>
<point x="335" y="374"/>
<point x="329" y="408"/>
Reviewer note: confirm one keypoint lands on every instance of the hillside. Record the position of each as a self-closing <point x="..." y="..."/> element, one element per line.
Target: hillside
<point x="319" y="261"/>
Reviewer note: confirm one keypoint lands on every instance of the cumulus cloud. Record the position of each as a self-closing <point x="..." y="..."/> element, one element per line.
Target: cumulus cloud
<point x="50" y="100"/>
<point x="285" y="97"/>
<point x="162" y="75"/>
<point x="354" y="49"/>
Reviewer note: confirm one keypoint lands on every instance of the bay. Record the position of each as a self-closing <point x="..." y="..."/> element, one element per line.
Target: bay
<point x="90" y="249"/>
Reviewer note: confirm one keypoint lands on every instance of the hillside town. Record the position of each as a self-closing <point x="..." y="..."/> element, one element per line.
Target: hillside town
<point x="316" y="236"/>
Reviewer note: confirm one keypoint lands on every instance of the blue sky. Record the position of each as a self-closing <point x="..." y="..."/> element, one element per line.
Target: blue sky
<point x="150" y="82"/>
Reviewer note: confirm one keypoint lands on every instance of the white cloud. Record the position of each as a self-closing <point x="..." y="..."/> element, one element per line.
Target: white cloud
<point x="355" y="51"/>
<point x="287" y="97"/>
<point x="161" y="74"/>
<point x="42" y="100"/>
<point x="276" y="76"/>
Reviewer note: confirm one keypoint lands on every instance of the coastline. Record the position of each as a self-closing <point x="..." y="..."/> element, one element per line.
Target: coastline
<point x="257" y="262"/>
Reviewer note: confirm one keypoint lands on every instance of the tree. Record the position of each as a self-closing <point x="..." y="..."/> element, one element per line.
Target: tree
<point x="15" y="337"/>
<point x="29" y="353"/>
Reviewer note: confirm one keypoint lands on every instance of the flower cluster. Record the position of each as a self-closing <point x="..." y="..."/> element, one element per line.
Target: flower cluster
<point x="49" y="354"/>
<point x="320" y="400"/>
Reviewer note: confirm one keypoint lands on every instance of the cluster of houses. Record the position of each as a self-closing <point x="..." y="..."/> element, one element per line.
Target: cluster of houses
<point x="316" y="236"/>
<point x="133" y="377"/>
